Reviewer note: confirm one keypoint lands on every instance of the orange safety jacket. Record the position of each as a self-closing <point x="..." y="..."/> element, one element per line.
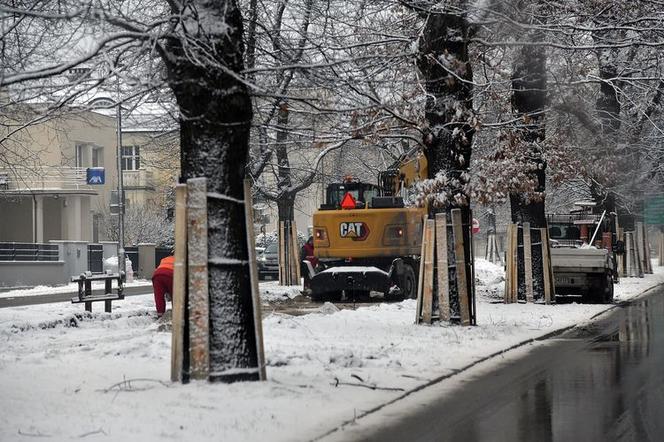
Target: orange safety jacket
<point x="166" y="266"/>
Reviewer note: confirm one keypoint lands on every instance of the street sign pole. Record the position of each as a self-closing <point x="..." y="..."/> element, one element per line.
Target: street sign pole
<point x="121" y="250"/>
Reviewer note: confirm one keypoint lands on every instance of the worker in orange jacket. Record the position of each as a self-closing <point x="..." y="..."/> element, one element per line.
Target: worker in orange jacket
<point x="162" y="283"/>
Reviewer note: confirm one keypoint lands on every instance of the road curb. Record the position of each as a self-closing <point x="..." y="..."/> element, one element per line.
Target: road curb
<point x="461" y="370"/>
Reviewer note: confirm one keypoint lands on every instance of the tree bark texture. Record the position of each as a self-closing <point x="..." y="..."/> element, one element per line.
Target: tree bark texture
<point x="215" y="118"/>
<point x="444" y="62"/>
<point x="608" y="113"/>
<point x="528" y="103"/>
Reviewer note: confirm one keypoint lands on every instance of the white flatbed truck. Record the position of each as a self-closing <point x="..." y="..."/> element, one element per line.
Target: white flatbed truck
<point x="588" y="272"/>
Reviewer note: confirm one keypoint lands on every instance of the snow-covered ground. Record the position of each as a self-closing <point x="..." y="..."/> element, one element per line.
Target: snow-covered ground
<point x="41" y="290"/>
<point x="66" y="374"/>
<point x="271" y="291"/>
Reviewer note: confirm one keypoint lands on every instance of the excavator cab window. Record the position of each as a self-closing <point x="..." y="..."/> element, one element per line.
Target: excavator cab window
<point x="362" y="193"/>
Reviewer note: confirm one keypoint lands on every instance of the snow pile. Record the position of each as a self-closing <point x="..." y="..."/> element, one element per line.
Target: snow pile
<point x="111" y="266"/>
<point x="273" y="292"/>
<point x="323" y="368"/>
<point x="489" y="279"/>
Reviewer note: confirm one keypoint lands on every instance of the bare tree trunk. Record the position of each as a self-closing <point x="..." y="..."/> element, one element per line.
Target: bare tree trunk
<point x="215" y="119"/>
<point x="528" y="103"/>
<point x="444" y="63"/>
<point x="608" y="112"/>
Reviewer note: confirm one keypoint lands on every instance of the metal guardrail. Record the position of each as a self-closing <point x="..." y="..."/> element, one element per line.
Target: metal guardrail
<point x="18" y="251"/>
<point x="43" y="178"/>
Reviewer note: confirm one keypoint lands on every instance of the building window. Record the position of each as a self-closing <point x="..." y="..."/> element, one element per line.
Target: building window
<point x="131" y="158"/>
<point x="97" y="156"/>
<point x="79" y="155"/>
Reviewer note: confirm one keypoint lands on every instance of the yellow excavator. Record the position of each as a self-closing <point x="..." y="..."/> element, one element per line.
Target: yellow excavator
<point x="366" y="239"/>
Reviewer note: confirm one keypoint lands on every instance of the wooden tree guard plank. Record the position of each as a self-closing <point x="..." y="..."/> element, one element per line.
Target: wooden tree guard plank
<point x="282" y="255"/>
<point x="427" y="288"/>
<point x="461" y="277"/>
<point x="515" y="263"/>
<point x="638" y="255"/>
<point x="288" y="240"/>
<point x="442" y="267"/>
<point x="639" y="246"/>
<point x="546" y="265"/>
<point x="634" y="255"/>
<point x="473" y="306"/>
<point x="507" y="295"/>
<point x="552" y="279"/>
<point x="646" y="248"/>
<point x="511" y="282"/>
<point x="661" y="249"/>
<point x="528" y="262"/>
<point x="295" y="254"/>
<point x="620" y="259"/>
<point x="197" y="257"/>
<point x="420" y="279"/>
<point x="253" y="275"/>
<point x="628" y="255"/>
<point x="178" y="349"/>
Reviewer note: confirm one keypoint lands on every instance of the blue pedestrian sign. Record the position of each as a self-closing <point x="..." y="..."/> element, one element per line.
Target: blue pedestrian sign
<point x="95" y="175"/>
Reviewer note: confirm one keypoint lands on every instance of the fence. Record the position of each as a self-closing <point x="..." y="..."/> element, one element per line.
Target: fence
<point x="18" y="251"/>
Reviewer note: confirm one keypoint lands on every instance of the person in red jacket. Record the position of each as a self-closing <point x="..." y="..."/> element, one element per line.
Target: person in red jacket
<point x="162" y="283"/>
<point x="307" y="253"/>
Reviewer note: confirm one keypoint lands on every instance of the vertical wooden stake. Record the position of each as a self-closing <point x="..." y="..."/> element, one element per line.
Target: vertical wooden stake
<point x="427" y="288"/>
<point x="253" y="275"/>
<point x="178" y="349"/>
<point x="528" y="262"/>
<point x="628" y="255"/>
<point x="620" y="259"/>
<point x="515" y="263"/>
<point x="282" y="255"/>
<point x="646" y="248"/>
<point x="508" y="267"/>
<point x="197" y="257"/>
<point x="545" y="265"/>
<point x="471" y="289"/>
<point x="461" y="277"/>
<point x="443" y="268"/>
<point x="639" y="247"/>
<point x="420" y="279"/>
<point x="296" y="254"/>
<point x="638" y="252"/>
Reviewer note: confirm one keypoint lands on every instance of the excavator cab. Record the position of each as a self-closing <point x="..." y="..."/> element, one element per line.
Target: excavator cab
<point x="362" y="193"/>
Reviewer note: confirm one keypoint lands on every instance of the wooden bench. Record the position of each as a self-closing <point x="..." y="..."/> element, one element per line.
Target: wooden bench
<point x="85" y="290"/>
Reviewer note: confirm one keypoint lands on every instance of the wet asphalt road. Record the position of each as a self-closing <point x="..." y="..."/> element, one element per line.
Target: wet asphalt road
<point x="599" y="383"/>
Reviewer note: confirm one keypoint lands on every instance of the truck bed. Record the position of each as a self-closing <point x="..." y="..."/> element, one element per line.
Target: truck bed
<point x="590" y="260"/>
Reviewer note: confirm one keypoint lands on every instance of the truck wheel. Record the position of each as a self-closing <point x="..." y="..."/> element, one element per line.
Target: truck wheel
<point x="607" y="289"/>
<point x="408" y="283"/>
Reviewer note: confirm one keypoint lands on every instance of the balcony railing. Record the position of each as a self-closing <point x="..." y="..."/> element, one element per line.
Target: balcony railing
<point x="138" y="179"/>
<point x="43" y="178"/>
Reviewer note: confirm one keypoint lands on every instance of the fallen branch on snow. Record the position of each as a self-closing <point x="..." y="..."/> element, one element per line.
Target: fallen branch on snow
<point x="337" y="382"/>
<point x="90" y="433"/>
<point x="37" y="434"/>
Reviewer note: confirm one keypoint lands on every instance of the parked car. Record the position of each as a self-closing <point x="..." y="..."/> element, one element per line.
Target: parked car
<point x="268" y="262"/>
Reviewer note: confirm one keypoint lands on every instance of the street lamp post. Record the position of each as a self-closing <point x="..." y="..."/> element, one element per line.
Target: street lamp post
<point x="121" y="250"/>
